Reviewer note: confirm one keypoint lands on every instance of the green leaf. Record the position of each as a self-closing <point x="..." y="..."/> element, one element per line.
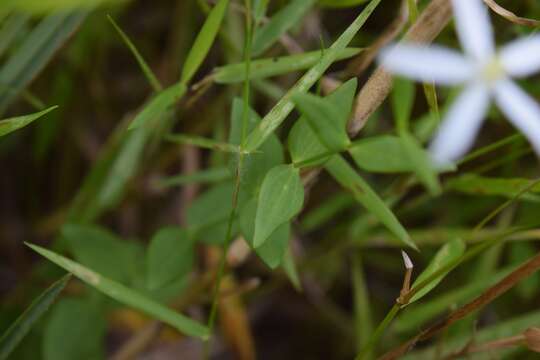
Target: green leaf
<point x="203" y="212"/>
<point x="344" y="174"/>
<point x="150" y="76"/>
<point x="204" y="41"/>
<point x="304" y="144"/>
<point x="280" y="23"/>
<point x="264" y="68"/>
<point x="126" y="295"/>
<point x="35" y="52"/>
<point x="103" y="251"/>
<point x="422" y="163"/>
<point x="202" y="142"/>
<point x="170" y="256"/>
<point x="273" y="249"/>
<point x="290" y="269"/>
<point x="24" y="323"/>
<point x="381" y="154"/>
<point x="257" y="164"/>
<point x="15" y="123"/>
<point x="107" y="181"/>
<point x="259" y="9"/>
<point x="482" y="186"/>
<point x="448" y="253"/>
<point x="158" y="105"/>
<point x="323" y="117"/>
<point x="280" y="199"/>
<point x="13" y="26"/>
<point x="284" y="106"/>
<point x="75" y="330"/>
<point x="402" y="100"/>
<point x="385" y="154"/>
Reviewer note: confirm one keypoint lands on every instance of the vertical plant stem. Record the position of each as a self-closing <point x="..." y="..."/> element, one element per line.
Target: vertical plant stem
<point x="378" y="333"/>
<point x="245" y="118"/>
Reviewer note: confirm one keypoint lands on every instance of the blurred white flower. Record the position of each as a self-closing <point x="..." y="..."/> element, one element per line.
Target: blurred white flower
<point x="485" y="73"/>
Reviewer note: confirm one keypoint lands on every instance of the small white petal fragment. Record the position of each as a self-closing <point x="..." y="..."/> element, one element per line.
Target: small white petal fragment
<point x="522" y="57"/>
<point x="433" y="63"/>
<point x="521" y="110"/>
<point x="460" y="126"/>
<point x="474" y="28"/>
<point x="407" y="260"/>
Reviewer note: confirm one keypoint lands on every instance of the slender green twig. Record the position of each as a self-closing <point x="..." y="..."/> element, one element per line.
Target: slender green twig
<point x="245" y="118"/>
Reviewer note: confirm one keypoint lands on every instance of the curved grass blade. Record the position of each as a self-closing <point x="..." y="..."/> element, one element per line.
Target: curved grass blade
<point x="126" y="295"/>
<point x="282" y="21"/>
<point x="18" y="330"/>
<point x="202" y="142"/>
<point x="15" y="123"/>
<point x="158" y="105"/>
<point x="35" y="52"/>
<point x="448" y="253"/>
<point x="350" y="180"/>
<point x="14" y="24"/>
<point x="264" y="68"/>
<point x="204" y="41"/>
<point x="283" y="108"/>
<point x="150" y="76"/>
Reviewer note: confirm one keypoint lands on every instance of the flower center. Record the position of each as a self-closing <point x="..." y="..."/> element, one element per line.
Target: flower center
<point x="492" y="71"/>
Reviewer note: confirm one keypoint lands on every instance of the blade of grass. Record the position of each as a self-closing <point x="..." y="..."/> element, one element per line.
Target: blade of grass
<point x="263" y="68"/>
<point x="282" y="21"/>
<point x="35" y="52"/>
<point x="125" y="295"/>
<point x="9" y="31"/>
<point x="344" y="174"/>
<point x="15" y="123"/>
<point x="150" y="76"/>
<point x="24" y="323"/>
<point x="204" y="143"/>
<point x="283" y="108"/>
<point x="158" y="105"/>
<point x="204" y="41"/>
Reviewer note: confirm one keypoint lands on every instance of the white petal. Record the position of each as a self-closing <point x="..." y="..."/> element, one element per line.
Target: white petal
<point x="522" y="57"/>
<point x="433" y="63"/>
<point x="474" y="28"/>
<point x="521" y="110"/>
<point x="460" y="125"/>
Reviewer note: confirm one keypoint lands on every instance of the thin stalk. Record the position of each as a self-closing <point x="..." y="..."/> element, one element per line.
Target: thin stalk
<point x="245" y="118"/>
<point x="378" y="332"/>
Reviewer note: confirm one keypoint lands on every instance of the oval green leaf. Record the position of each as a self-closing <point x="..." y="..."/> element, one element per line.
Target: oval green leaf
<point x="280" y="199"/>
<point x="323" y="117"/>
<point x="170" y="257"/>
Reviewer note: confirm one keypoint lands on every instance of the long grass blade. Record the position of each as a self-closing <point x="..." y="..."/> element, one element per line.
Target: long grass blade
<point x="24" y="323"/>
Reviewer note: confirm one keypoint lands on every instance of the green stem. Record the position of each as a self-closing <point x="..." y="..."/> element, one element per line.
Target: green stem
<point x="374" y="339"/>
<point x="228" y="236"/>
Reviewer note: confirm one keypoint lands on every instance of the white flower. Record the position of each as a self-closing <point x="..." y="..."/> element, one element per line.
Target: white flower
<point x="485" y="73"/>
